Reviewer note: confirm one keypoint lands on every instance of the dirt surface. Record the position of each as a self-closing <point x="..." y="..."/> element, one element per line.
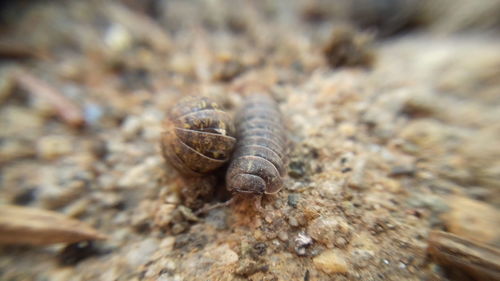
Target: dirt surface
<point x="380" y="153"/>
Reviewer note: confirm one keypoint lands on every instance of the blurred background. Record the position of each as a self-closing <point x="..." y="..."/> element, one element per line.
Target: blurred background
<point x="392" y="109"/>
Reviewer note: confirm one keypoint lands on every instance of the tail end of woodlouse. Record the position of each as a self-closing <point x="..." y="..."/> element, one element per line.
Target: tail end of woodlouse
<point x="275" y="187"/>
<point x="246" y="183"/>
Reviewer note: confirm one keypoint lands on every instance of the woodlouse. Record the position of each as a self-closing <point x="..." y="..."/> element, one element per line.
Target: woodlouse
<point x="198" y="136"/>
<point x="258" y="164"/>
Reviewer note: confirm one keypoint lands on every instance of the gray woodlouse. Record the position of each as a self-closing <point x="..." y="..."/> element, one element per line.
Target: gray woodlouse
<point x="257" y="165"/>
<point x="198" y="136"/>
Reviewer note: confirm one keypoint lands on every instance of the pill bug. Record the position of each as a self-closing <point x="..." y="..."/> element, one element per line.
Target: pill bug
<point x="257" y="165"/>
<point x="198" y="136"/>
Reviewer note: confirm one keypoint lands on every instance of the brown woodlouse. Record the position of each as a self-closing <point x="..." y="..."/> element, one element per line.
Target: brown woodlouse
<point x="198" y="136"/>
<point x="257" y="165"/>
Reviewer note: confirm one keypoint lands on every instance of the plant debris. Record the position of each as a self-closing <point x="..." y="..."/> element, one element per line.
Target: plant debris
<point x="20" y="225"/>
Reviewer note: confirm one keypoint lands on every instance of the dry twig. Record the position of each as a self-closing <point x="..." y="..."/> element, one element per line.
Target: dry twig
<point x="20" y="225"/>
<point x="66" y="109"/>
<point x="473" y="259"/>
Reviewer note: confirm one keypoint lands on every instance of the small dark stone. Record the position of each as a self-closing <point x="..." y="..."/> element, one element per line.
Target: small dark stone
<point x="402" y="171"/>
<point x="144" y="227"/>
<point x="346" y="170"/>
<point x="182" y="240"/>
<point x="260" y="248"/>
<point x="166" y="271"/>
<point x="228" y="70"/>
<point x="296" y="65"/>
<point x="25" y="197"/>
<point x="348" y="47"/>
<point x="264" y="268"/>
<point x="378" y="227"/>
<point x="319" y="169"/>
<point x="297" y="169"/>
<point x="293" y="200"/>
<point x="138" y="78"/>
<point x="417" y="214"/>
<point x="100" y="149"/>
<point x="301" y="251"/>
<point x="76" y="252"/>
<point x="307" y="276"/>
<point x="314" y="14"/>
<point x="237" y="25"/>
<point x="343" y="160"/>
<point x="314" y="153"/>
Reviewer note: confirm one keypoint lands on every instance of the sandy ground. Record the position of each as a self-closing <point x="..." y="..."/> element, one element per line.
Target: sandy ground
<point x="379" y="154"/>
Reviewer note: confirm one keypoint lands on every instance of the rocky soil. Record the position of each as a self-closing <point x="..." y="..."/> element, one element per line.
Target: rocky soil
<point x="392" y="135"/>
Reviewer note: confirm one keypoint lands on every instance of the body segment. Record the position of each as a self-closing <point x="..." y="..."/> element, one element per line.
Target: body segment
<point x="198" y="136"/>
<point x="258" y="162"/>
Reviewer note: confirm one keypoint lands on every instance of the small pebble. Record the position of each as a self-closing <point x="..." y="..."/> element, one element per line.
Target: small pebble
<point x="258" y="235"/>
<point x="227" y="68"/>
<point x="92" y="113"/>
<point x="358" y="177"/>
<point x="330" y="231"/>
<point x="330" y="262"/>
<point x="223" y="254"/>
<point x="293" y="221"/>
<point x="117" y="38"/>
<point x="247" y="267"/>
<point x="53" y="146"/>
<point x="361" y="258"/>
<point x="25" y="197"/>
<point x="402" y="171"/>
<point x="283" y="236"/>
<point x="296" y="169"/>
<point x="188" y="214"/>
<point x="131" y="126"/>
<point x="259" y="248"/>
<point x="302" y="241"/>
<point x="293" y="200"/>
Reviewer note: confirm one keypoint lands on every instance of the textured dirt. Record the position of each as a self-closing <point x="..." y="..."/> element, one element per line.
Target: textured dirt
<point x="380" y="153"/>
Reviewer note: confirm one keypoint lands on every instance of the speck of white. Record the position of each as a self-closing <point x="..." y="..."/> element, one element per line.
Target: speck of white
<point x="385" y="261"/>
<point x="221" y="131"/>
<point x="303" y="239"/>
<point x="117" y="37"/>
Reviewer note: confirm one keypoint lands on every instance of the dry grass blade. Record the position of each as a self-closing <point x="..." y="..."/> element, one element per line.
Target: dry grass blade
<point x="20" y="225"/>
<point x="140" y="25"/>
<point x="476" y="260"/>
<point x="19" y="50"/>
<point x="68" y="111"/>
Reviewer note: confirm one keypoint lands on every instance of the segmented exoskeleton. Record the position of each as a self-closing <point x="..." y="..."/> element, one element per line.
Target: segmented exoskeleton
<point x="257" y="165"/>
<point x="198" y="136"/>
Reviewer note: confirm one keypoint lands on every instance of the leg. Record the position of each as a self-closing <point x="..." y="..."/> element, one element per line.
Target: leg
<point x="258" y="203"/>
<point x="208" y="208"/>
